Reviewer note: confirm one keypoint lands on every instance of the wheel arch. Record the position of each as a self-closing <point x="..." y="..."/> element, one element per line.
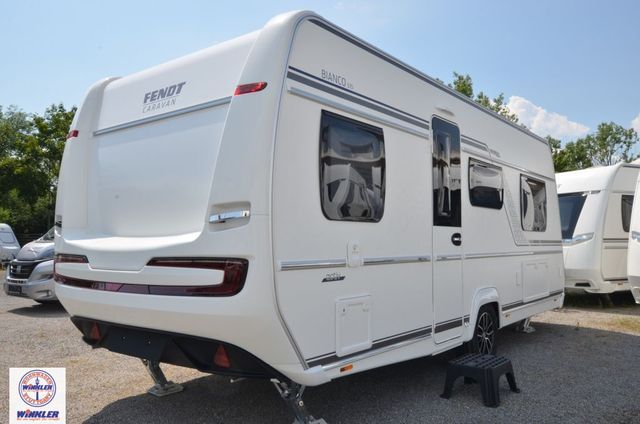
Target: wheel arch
<point x="483" y="296"/>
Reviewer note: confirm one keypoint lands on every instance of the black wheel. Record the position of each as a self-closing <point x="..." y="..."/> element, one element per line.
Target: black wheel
<point x="484" y="335"/>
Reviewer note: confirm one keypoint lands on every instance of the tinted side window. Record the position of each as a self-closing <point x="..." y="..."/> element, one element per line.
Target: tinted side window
<point x="570" y="207"/>
<point x="485" y="185"/>
<point x="533" y="204"/>
<point x="352" y="168"/>
<point x="627" y="205"/>
<point x="446" y="173"/>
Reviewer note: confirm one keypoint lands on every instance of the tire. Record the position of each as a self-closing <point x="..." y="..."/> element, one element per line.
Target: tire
<point x="485" y="332"/>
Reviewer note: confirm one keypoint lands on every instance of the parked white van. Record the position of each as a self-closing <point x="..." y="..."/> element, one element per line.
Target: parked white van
<point x="595" y="211"/>
<point x="633" y="256"/>
<point x="296" y="204"/>
<point x="9" y="246"/>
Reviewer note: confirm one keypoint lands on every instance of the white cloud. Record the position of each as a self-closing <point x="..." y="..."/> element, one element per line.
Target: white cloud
<point x="635" y="124"/>
<point x="543" y="122"/>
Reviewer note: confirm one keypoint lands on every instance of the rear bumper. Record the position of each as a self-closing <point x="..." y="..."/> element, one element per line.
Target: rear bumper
<point x="172" y="348"/>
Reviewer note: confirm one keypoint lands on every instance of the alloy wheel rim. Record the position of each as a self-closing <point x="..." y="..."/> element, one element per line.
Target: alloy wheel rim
<point x="485" y="333"/>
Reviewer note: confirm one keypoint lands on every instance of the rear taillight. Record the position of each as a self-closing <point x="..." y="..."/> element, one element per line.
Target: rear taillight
<point x="72" y="134"/>
<point x="235" y="274"/>
<point x="65" y="258"/>
<point x="250" y="88"/>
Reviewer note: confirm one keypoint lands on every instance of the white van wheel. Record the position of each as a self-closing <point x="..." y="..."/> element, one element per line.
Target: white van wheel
<point x="485" y="332"/>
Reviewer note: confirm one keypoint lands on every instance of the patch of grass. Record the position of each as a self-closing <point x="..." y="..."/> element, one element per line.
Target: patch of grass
<point x="627" y="324"/>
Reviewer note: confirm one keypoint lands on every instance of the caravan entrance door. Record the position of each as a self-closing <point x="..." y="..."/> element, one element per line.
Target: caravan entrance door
<point x="447" y="231"/>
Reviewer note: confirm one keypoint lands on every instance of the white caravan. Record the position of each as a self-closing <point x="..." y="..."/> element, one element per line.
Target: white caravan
<point x="633" y="256"/>
<point x="296" y="204"/>
<point x="595" y="211"/>
<point x="9" y="246"/>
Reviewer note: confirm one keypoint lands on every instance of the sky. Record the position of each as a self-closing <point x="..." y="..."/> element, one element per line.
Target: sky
<point x="564" y="66"/>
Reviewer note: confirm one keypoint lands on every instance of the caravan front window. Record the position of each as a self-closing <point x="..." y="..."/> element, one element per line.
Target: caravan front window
<point x="570" y="207"/>
<point x="626" y="206"/>
<point x="533" y="204"/>
<point x="351" y="169"/>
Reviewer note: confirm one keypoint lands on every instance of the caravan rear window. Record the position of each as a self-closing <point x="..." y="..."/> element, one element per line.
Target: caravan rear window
<point x="352" y="168"/>
<point x="533" y="204"/>
<point x="627" y="205"/>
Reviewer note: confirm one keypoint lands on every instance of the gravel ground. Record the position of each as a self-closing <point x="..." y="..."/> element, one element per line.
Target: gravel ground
<point x="575" y="368"/>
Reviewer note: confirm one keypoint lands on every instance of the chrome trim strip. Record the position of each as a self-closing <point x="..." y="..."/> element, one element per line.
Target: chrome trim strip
<point x="615" y="240"/>
<point x="419" y="335"/>
<point x="520" y="304"/>
<point x="614" y="247"/>
<point x="396" y="260"/>
<point x="510" y="254"/>
<point x="173" y="113"/>
<point x="443" y="258"/>
<point x="401" y="114"/>
<point x="312" y="264"/>
<point x="337" y="105"/>
<point x="221" y="218"/>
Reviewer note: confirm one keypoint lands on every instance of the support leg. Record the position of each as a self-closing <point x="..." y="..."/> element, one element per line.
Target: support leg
<point x="291" y="393"/>
<point x="512" y="382"/>
<point x="525" y="326"/>
<point x="448" y="384"/>
<point x="162" y="387"/>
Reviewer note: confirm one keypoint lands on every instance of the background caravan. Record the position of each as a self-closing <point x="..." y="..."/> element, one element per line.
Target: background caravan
<point x="296" y="204"/>
<point x="633" y="257"/>
<point x="595" y="210"/>
<point x="9" y="246"/>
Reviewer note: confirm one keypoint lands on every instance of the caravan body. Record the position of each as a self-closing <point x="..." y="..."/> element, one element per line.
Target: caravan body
<point x="595" y="210"/>
<point x="297" y="204"/>
<point x="633" y="256"/>
<point x="9" y="246"/>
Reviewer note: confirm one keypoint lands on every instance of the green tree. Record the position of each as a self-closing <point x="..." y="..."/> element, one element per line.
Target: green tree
<point x="464" y="84"/>
<point x="31" y="149"/>
<point x="571" y="157"/>
<point x="611" y="143"/>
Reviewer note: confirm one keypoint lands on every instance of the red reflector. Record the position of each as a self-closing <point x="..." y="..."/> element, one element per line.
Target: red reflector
<point x="72" y="134"/>
<point x="250" y="88"/>
<point x="94" y="334"/>
<point x="221" y="358"/>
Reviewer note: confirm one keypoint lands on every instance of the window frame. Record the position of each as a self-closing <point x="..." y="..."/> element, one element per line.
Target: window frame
<point x="451" y="129"/>
<point x="626" y="228"/>
<point x="379" y="132"/>
<point x="544" y="184"/>
<point x="486" y="165"/>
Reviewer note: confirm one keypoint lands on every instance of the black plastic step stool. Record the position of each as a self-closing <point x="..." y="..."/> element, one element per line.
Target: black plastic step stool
<point x="486" y="370"/>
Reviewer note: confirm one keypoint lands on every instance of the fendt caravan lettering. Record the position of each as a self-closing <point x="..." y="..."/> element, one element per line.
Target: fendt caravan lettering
<point x="274" y="223"/>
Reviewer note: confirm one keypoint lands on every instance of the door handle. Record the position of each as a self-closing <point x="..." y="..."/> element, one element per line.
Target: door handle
<point x="456" y="239"/>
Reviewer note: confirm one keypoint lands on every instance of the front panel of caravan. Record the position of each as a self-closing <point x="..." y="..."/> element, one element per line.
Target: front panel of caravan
<point x="633" y="256"/>
<point x="616" y="226"/>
